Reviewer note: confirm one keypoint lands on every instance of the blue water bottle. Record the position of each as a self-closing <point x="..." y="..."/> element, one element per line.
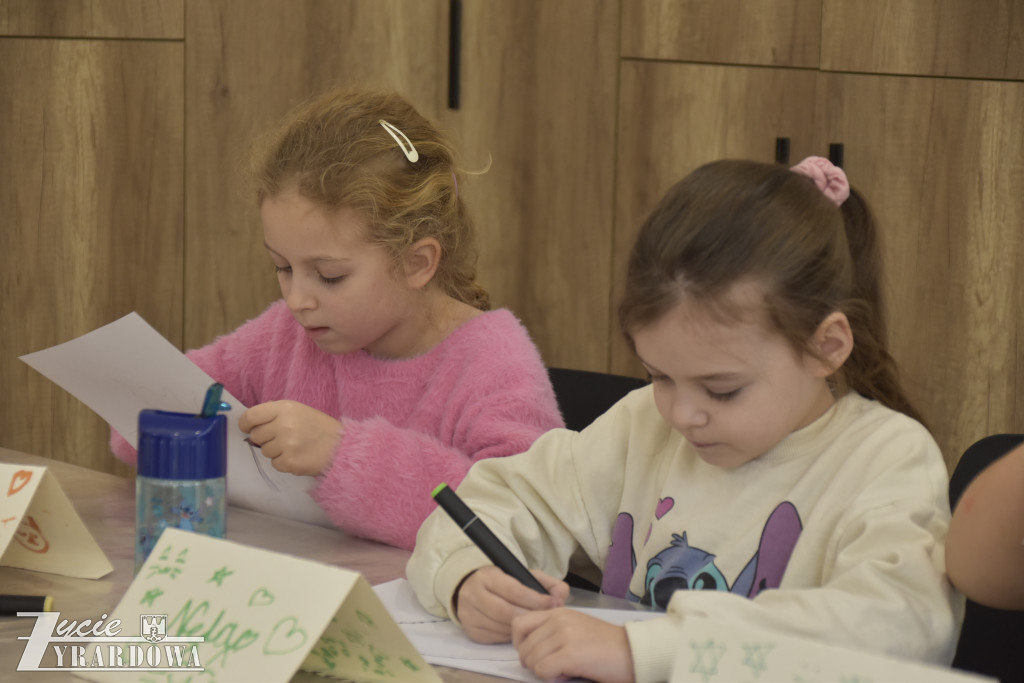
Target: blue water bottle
<point x="181" y="476"/>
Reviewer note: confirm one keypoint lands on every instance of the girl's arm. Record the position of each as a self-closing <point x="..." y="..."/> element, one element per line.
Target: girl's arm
<point x="544" y="505"/>
<point x="985" y="546"/>
<point x="379" y="482"/>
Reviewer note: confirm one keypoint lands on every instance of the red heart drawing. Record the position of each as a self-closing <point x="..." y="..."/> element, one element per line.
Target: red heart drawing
<point x="20" y="479"/>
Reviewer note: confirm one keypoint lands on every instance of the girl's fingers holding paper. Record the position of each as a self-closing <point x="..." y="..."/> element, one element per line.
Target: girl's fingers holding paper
<point x="255" y="416"/>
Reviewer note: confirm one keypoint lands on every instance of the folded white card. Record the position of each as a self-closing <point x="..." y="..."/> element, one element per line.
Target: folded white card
<point x="40" y="528"/>
<point x="237" y="613"/>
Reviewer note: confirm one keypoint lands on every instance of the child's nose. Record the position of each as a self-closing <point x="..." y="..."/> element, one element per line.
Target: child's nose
<point x="688" y="413"/>
<point x="298" y="298"/>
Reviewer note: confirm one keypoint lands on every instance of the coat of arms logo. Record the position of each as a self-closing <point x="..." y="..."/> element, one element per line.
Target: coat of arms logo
<point x="154" y="627"/>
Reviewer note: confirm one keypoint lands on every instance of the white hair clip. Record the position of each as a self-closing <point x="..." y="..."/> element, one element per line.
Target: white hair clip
<point x="409" y="151"/>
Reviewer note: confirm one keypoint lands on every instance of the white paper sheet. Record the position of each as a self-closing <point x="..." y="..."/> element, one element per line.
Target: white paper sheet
<point x="710" y="651"/>
<point x="127" y="366"/>
<point x="443" y="643"/>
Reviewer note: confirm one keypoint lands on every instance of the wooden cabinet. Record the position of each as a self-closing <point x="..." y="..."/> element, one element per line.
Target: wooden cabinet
<point x="91" y="215"/>
<point x="767" y="32"/>
<point x="941" y="161"/>
<point x="538" y="106"/>
<point x="960" y="38"/>
<point x="128" y="124"/>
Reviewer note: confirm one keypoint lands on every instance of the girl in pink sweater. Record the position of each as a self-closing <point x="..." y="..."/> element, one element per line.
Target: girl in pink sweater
<point x="379" y="372"/>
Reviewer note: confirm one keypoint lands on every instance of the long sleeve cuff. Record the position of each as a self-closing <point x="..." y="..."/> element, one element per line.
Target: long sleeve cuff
<point x="461" y="563"/>
<point x="653" y="643"/>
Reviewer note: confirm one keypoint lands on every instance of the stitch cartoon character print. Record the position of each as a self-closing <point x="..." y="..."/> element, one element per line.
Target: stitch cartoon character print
<point x="681" y="566"/>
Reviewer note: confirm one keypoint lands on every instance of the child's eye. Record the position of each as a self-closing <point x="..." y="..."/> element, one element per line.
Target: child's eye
<point x="283" y="269"/>
<point x="724" y="396"/>
<point x="330" y="280"/>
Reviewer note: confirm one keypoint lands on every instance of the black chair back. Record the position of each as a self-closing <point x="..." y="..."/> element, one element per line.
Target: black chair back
<point x="584" y="395"/>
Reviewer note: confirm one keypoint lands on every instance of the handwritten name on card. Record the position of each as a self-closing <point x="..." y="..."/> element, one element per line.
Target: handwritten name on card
<point x="263" y="615"/>
<point x="40" y="528"/>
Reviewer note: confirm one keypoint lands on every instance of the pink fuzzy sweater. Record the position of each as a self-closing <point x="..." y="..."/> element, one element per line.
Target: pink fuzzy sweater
<point x="410" y="424"/>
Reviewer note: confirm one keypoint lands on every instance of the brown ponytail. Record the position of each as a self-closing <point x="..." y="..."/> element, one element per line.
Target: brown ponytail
<point x="733" y="220"/>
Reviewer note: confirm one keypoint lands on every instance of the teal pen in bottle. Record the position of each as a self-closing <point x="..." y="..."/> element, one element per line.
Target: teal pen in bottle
<point x="212" y="403"/>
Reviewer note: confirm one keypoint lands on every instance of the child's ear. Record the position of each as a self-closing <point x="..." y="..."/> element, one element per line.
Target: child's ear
<point x="421" y="262"/>
<point x="834" y="342"/>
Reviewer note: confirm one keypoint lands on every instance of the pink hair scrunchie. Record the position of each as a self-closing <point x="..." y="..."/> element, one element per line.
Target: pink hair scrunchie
<point x="829" y="178"/>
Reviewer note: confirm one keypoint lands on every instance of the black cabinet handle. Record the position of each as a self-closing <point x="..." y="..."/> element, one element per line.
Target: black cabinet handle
<point x="454" y="51"/>
<point x="782" y="150"/>
<point x="835" y="153"/>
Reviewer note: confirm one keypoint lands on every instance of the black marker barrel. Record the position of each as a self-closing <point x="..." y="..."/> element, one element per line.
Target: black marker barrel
<point x="484" y="538"/>
<point x="10" y="605"/>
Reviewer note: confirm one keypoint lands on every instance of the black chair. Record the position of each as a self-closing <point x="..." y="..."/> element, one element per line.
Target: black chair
<point x="991" y="639"/>
<point x="584" y="395"/>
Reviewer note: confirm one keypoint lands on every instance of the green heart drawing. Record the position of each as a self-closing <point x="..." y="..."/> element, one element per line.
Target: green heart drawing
<point x="261" y="598"/>
<point x="288" y="641"/>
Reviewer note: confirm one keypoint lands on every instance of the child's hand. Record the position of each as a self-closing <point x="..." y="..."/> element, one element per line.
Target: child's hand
<point x="488" y="600"/>
<point x="562" y="643"/>
<point x="297" y="439"/>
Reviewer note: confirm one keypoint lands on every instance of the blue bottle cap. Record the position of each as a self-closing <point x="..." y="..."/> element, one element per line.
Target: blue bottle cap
<point x="182" y="445"/>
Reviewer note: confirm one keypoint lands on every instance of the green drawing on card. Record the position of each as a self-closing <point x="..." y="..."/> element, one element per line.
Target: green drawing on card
<point x="327" y="651"/>
<point x="156" y="570"/>
<point x="181" y="556"/>
<point x="353" y="636"/>
<point x="409" y="664"/>
<point x="286" y="636"/>
<point x="380" y="661"/>
<point x="755" y="656"/>
<point x="855" y="678"/>
<point x="219" y="576"/>
<point x="151" y="595"/>
<point x="705" y="658"/>
<point x="261" y="598"/>
<point x="364" y="617"/>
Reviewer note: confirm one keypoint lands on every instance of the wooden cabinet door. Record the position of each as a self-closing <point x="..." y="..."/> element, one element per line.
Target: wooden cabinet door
<point x="675" y="117"/>
<point x="91" y="214"/>
<point x="134" y="19"/>
<point x="766" y="32"/>
<point x="964" y="38"/>
<point x="942" y="163"/>
<point x="538" y="108"/>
